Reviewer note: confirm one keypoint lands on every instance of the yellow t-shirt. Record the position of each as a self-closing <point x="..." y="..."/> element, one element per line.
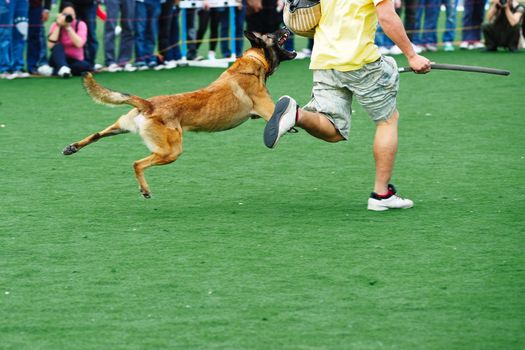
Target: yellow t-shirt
<point x="344" y="39"/>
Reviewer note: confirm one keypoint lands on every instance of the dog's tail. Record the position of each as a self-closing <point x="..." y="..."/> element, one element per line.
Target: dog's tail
<point x="112" y="98"/>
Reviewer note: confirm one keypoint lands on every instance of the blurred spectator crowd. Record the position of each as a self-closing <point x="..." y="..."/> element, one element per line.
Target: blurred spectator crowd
<point x="145" y="34"/>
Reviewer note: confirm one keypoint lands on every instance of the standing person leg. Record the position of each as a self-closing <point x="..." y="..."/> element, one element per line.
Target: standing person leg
<point x="152" y="33"/>
<point x="478" y="14"/>
<point x="174" y="53"/>
<point x="6" y="36"/>
<point x="88" y="14"/>
<point x="36" y="57"/>
<point x="240" y="16"/>
<point x="379" y="100"/>
<point x="412" y="26"/>
<point x="92" y="41"/>
<point x="127" y="14"/>
<point x="20" y="31"/>
<point x="450" y="25"/>
<point x="467" y="21"/>
<point x="164" y="30"/>
<point x="214" y="33"/>
<point x="417" y="37"/>
<point x="430" y="27"/>
<point x="33" y="39"/>
<point x="112" y="11"/>
<point x="42" y="60"/>
<point x="140" y="35"/>
<point x="204" y="19"/>
<point x="411" y="7"/>
<point x="385" y="150"/>
<point x="191" y="34"/>
<point x="224" y="25"/>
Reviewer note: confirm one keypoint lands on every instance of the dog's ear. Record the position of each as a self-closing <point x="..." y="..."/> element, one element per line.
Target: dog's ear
<point x="255" y="39"/>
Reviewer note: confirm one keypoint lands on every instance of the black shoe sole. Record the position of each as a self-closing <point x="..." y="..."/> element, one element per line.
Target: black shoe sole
<point x="271" y="130"/>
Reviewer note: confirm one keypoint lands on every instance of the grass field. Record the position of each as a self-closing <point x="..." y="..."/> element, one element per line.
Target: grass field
<point x="246" y="248"/>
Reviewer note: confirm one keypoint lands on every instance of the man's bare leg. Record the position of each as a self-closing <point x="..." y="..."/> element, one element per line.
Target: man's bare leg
<point x="385" y="149"/>
<point x="318" y="125"/>
<point x="286" y="115"/>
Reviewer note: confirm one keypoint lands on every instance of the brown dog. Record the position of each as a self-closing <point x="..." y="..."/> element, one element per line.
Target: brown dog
<point x="232" y="99"/>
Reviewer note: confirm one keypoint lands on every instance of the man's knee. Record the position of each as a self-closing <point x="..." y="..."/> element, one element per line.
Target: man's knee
<point x="391" y="120"/>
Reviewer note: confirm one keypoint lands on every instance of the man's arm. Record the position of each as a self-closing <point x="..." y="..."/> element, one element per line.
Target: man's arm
<point x="394" y="29"/>
<point x="513" y="18"/>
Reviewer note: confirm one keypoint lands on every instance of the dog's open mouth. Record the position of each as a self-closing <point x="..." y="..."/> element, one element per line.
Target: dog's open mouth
<point x="282" y="36"/>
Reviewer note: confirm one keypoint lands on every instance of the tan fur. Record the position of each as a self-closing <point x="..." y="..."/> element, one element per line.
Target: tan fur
<point x="238" y="93"/>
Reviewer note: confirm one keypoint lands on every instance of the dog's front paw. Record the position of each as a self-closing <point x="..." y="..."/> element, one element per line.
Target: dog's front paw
<point x="69" y="150"/>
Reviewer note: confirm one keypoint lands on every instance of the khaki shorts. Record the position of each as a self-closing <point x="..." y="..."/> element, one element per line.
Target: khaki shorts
<point x="375" y="87"/>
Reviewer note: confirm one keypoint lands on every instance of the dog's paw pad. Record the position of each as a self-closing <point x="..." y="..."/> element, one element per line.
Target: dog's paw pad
<point x="145" y="194"/>
<point x="69" y="150"/>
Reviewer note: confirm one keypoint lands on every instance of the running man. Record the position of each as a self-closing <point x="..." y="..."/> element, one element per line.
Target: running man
<point x="347" y="64"/>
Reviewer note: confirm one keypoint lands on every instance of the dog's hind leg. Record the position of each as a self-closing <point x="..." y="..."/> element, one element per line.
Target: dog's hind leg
<point x="166" y="144"/>
<point x="111" y="130"/>
<point x="124" y="124"/>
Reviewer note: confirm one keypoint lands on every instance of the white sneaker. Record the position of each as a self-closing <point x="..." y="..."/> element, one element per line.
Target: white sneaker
<point x="113" y="68"/>
<point x="97" y="66"/>
<point x="477" y="45"/>
<point x="159" y="67"/>
<point x="283" y="119"/>
<point x="464" y="45"/>
<point x="431" y="47"/>
<point x="211" y="55"/>
<point x="307" y="52"/>
<point x="448" y="47"/>
<point x="129" y="68"/>
<point x="45" y="70"/>
<point x="18" y="75"/>
<point x="64" y="72"/>
<point x="4" y="75"/>
<point x="418" y="48"/>
<point x="141" y="67"/>
<point x="170" y="64"/>
<point x="395" y="50"/>
<point x="392" y="201"/>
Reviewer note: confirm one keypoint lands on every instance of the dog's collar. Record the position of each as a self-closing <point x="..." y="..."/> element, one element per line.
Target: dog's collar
<point x="257" y="57"/>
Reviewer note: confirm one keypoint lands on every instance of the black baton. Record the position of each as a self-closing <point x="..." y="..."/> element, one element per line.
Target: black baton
<point x="461" y="68"/>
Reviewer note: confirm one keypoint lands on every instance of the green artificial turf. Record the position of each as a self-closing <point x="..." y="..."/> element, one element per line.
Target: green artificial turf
<point x="246" y="248"/>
